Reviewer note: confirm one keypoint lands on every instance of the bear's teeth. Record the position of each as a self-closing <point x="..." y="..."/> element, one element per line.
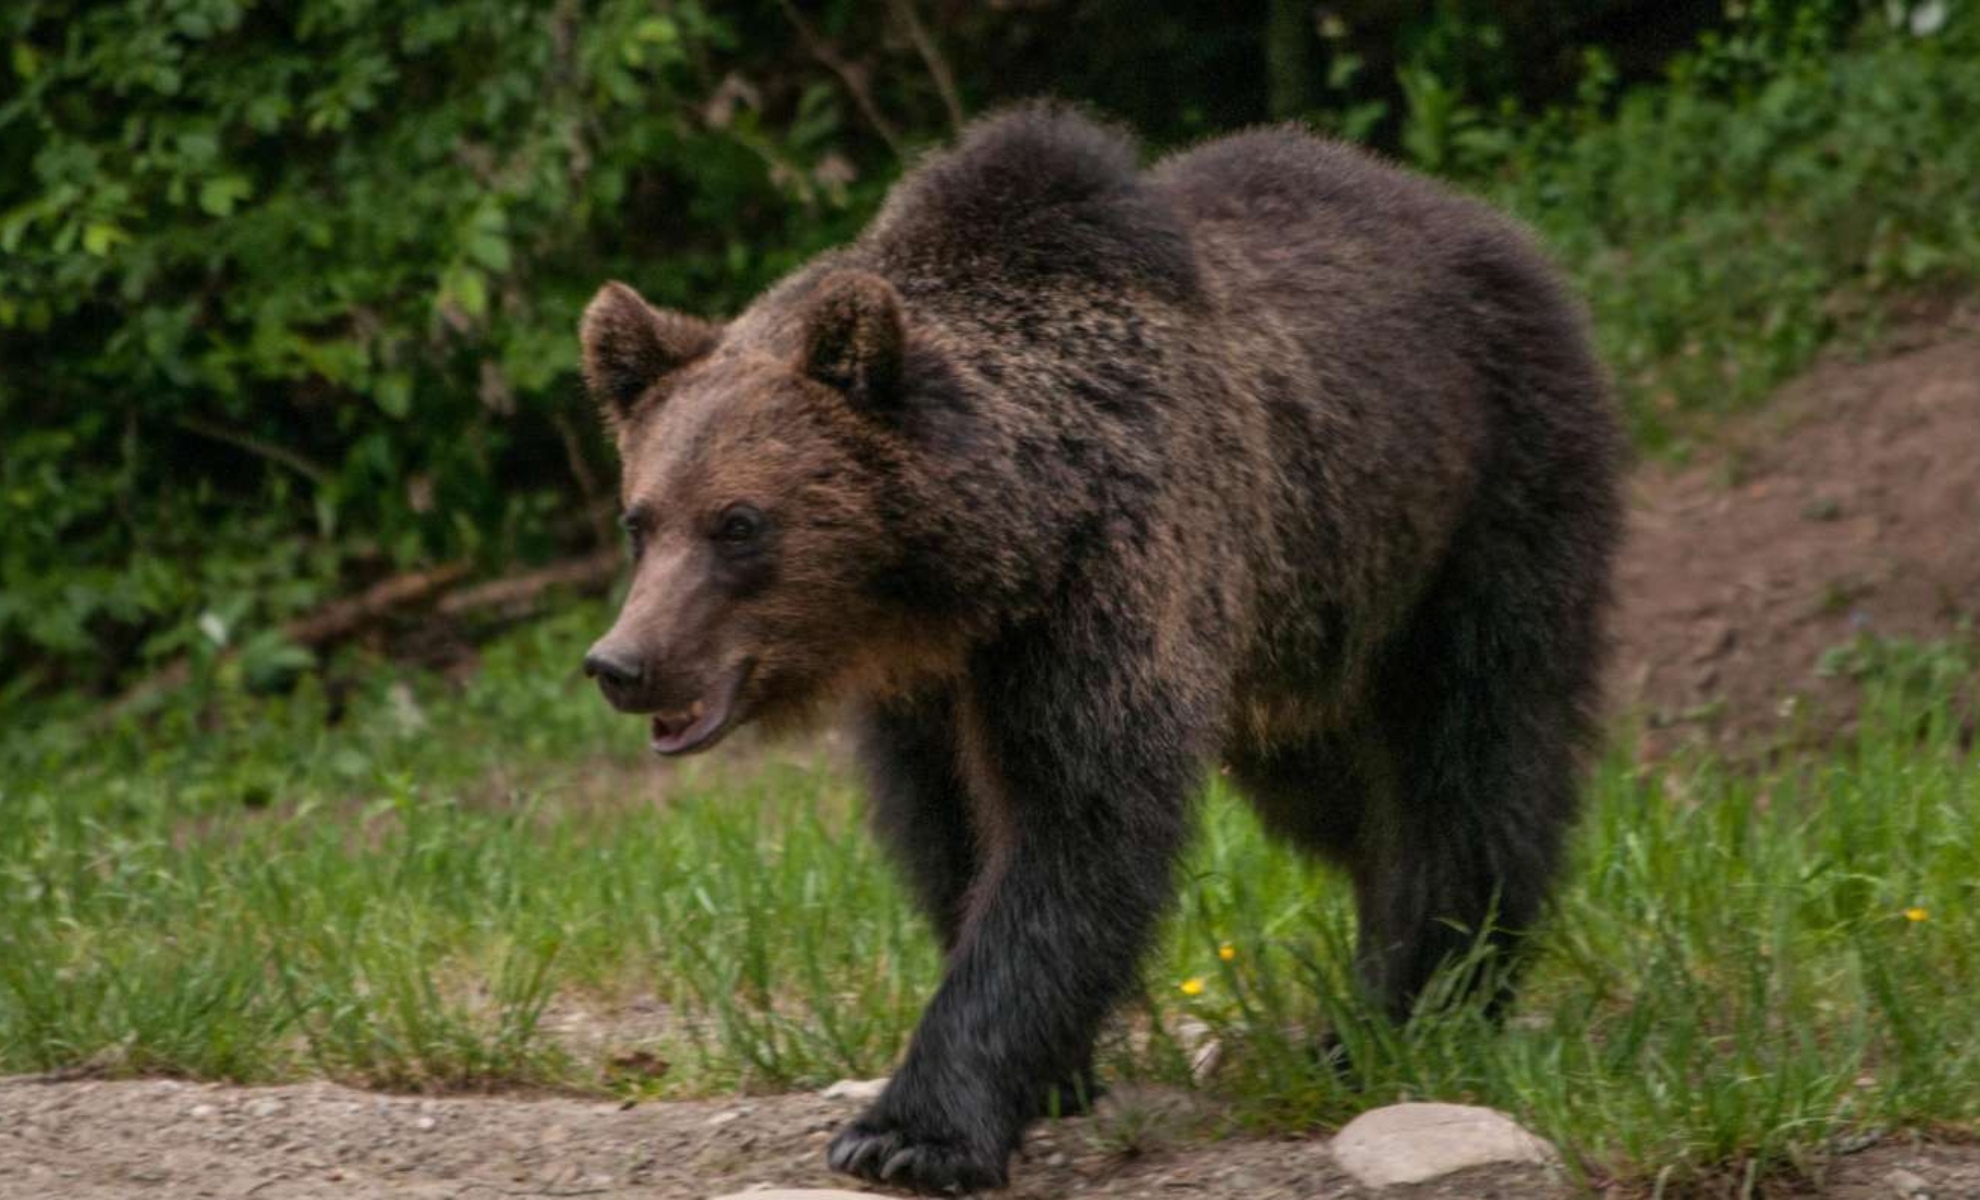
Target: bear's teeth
<point x="694" y="711"/>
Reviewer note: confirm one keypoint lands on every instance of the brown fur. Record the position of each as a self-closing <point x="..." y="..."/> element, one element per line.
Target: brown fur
<point x="1077" y="479"/>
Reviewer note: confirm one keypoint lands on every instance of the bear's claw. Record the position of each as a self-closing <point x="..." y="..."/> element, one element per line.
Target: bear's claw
<point x="891" y="1156"/>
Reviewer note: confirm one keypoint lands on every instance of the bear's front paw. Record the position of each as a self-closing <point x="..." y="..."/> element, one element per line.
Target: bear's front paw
<point x="883" y="1151"/>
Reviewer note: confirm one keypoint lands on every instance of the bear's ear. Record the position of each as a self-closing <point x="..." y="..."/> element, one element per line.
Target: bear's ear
<point x="628" y="344"/>
<point x="855" y="338"/>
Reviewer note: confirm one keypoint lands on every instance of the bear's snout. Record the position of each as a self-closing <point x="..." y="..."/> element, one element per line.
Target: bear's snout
<point x="631" y="682"/>
<point x="688" y="714"/>
<point x="610" y="669"/>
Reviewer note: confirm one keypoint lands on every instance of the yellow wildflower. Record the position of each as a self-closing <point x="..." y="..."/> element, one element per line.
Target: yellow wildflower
<point x="1227" y="952"/>
<point x="1915" y="914"/>
<point x="1191" y="987"/>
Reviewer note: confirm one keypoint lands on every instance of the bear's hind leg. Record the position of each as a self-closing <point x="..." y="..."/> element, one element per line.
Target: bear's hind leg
<point x="1314" y="793"/>
<point x="1486" y="702"/>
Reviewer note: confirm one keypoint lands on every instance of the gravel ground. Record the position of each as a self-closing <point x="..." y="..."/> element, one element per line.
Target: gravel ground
<point x="95" y="1140"/>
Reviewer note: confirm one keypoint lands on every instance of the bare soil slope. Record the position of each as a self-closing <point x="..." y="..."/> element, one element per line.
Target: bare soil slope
<point x="1851" y="505"/>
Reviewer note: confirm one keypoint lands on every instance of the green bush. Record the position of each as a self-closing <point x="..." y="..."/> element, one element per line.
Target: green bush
<point x="1726" y="225"/>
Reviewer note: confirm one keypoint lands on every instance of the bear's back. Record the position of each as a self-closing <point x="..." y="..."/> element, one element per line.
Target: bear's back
<point x="1280" y="219"/>
<point x="1039" y="198"/>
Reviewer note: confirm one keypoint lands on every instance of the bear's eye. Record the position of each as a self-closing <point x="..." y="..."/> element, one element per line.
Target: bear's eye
<point x="739" y="527"/>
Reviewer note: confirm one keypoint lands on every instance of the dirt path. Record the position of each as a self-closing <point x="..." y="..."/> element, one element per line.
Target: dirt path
<point x="1852" y="504"/>
<point x="99" y="1140"/>
<point x="163" y="1138"/>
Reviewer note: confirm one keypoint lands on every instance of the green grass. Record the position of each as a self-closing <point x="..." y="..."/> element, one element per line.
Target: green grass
<point x="422" y="895"/>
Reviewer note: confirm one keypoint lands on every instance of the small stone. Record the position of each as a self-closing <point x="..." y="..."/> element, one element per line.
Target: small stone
<point x="1201" y="1044"/>
<point x="1203" y="1062"/>
<point x="204" y="1111"/>
<point x="1412" y="1143"/>
<point x="426" y="1124"/>
<point x="267" y="1106"/>
<point x="861" y="1090"/>
<point x="1908" y="1185"/>
<point x="723" y="1118"/>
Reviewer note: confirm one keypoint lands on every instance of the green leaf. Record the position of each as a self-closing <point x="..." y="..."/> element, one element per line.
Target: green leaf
<point x="394" y="395"/>
<point x="217" y="197"/>
<point x="472" y="291"/>
<point x="490" y="250"/>
<point x="466" y="290"/>
<point x="658" y="31"/>
<point x="266" y="113"/>
<point x="99" y="238"/>
<point x="199" y="146"/>
<point x="1919" y="259"/>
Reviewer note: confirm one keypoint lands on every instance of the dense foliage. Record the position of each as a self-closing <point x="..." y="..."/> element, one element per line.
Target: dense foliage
<point x="1726" y="225"/>
<point x="290" y="290"/>
<point x="287" y="291"/>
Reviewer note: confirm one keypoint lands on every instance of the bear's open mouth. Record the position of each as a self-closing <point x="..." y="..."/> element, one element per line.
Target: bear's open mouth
<point x="701" y="724"/>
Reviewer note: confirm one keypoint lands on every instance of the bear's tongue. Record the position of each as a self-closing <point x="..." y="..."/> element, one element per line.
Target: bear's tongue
<point x="702" y="723"/>
<point x="668" y="727"/>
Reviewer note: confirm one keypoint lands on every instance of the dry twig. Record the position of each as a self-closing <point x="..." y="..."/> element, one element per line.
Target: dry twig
<point x="315" y="472"/>
<point x="852" y="74"/>
<point x="931" y="55"/>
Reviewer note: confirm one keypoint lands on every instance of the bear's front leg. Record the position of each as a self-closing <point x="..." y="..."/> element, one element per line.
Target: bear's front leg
<point x="1085" y="800"/>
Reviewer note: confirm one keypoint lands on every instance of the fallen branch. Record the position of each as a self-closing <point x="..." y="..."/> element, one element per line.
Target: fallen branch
<point x="340" y="618"/>
<point x="510" y="597"/>
<point x="517" y="594"/>
<point x="330" y="623"/>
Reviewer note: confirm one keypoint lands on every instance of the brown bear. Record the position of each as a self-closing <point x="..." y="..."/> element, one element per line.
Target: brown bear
<point x="1074" y="481"/>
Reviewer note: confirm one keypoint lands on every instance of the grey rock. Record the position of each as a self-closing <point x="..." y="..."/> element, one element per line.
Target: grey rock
<point x="861" y="1090"/>
<point x="1412" y="1143"/>
<point x="1908" y="1185"/>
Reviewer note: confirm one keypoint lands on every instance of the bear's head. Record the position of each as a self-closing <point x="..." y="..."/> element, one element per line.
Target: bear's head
<point x="762" y="496"/>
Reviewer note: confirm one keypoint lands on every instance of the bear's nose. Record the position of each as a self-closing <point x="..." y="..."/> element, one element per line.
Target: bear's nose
<point x="610" y="668"/>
